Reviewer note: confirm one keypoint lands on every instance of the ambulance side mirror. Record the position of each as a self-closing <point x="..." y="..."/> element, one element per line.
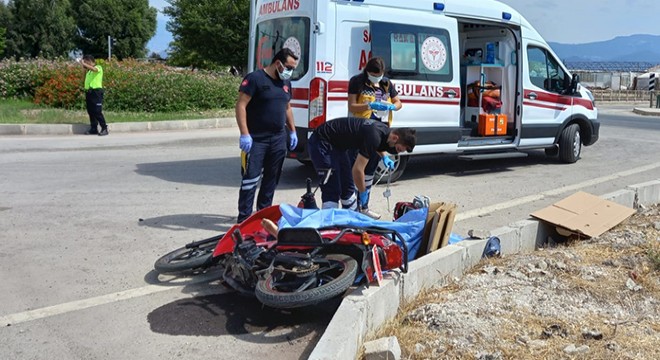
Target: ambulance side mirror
<point x="574" y="83"/>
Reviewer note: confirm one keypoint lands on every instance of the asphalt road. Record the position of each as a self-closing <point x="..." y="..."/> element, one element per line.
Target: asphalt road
<point x="84" y="218"/>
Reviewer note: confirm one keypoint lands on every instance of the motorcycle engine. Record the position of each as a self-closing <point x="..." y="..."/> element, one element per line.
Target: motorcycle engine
<point x="240" y="267"/>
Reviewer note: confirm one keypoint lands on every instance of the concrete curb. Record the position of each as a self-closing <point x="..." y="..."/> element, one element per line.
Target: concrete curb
<point x="646" y="111"/>
<point x="364" y="310"/>
<point x="71" y="129"/>
<point x="67" y="129"/>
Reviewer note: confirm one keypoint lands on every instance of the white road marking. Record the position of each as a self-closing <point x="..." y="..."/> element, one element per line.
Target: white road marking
<point x="49" y="311"/>
<point x="526" y="199"/>
<point x="41" y="313"/>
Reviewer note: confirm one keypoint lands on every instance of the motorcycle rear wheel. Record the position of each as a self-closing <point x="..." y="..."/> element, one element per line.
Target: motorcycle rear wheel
<point x="188" y="259"/>
<point x="337" y="283"/>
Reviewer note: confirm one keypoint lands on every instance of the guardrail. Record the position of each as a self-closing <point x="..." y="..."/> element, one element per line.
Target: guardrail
<point x="622" y="95"/>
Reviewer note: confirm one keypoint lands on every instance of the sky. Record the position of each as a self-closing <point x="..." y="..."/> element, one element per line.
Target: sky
<point x="562" y="21"/>
<point x="584" y="21"/>
<point x="162" y="38"/>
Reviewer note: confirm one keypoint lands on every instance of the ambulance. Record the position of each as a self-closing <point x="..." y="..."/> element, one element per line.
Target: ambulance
<point x="475" y="78"/>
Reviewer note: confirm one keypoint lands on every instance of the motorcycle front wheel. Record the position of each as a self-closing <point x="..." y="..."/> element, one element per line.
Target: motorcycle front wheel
<point x="188" y="258"/>
<point x="331" y="279"/>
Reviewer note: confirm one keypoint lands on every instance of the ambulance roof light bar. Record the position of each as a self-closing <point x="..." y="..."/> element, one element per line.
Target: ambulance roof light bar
<point x="438" y="6"/>
<point x="506" y="15"/>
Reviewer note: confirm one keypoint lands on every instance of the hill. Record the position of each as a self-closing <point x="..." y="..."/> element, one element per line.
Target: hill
<point x="641" y="48"/>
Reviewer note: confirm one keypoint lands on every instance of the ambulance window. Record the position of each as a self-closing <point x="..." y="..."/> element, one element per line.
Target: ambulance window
<point x="545" y="71"/>
<point x="413" y="52"/>
<point x="403" y="52"/>
<point x="273" y="35"/>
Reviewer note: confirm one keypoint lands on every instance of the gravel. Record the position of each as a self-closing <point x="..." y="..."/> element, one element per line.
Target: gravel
<point x="594" y="298"/>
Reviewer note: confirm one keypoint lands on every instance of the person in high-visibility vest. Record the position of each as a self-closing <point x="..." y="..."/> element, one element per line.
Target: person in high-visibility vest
<point x="94" y="95"/>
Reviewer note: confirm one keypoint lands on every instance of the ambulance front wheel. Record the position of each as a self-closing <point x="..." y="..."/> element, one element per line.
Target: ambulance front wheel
<point x="400" y="163"/>
<point x="570" y="144"/>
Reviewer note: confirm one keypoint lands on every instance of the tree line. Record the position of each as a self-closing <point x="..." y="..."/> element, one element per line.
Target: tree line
<point x="54" y="28"/>
<point x="206" y="33"/>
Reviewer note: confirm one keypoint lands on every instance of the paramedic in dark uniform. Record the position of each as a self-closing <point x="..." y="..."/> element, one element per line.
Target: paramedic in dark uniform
<point x="331" y="144"/>
<point x="264" y="115"/>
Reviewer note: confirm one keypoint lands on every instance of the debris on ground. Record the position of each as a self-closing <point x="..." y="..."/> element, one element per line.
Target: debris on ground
<point x="597" y="298"/>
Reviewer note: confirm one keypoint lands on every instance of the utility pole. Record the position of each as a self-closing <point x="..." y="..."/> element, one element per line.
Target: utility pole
<point x="109" y="47"/>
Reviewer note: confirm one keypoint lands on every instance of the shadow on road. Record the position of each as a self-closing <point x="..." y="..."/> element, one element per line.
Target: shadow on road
<point x="245" y="318"/>
<point x="220" y="172"/>
<point x="431" y="165"/>
<point x="182" y="222"/>
<point x="226" y="171"/>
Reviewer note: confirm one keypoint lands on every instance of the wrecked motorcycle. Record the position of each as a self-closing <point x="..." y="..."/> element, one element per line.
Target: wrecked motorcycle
<point x="294" y="266"/>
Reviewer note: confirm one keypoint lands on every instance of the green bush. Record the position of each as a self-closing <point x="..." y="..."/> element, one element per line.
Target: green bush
<point x="135" y="85"/>
<point x="62" y="89"/>
<point x="20" y="79"/>
<point x="129" y="86"/>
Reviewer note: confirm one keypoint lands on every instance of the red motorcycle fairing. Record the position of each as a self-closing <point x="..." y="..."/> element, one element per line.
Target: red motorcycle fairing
<point x="390" y="253"/>
<point x="250" y="227"/>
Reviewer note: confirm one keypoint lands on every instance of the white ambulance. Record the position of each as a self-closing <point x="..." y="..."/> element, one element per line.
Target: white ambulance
<point x="444" y="58"/>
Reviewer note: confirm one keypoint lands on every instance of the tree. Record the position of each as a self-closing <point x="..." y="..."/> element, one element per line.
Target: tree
<point x="43" y="28"/>
<point x="5" y="21"/>
<point x="130" y="23"/>
<point x="213" y="30"/>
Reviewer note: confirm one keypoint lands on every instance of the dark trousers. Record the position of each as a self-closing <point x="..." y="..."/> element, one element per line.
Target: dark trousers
<point x="263" y="162"/>
<point x="340" y="185"/>
<point x="94" y="102"/>
<point x="369" y="172"/>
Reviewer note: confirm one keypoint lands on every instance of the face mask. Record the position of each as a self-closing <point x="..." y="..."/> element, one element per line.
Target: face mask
<point x="285" y="74"/>
<point x="375" y="79"/>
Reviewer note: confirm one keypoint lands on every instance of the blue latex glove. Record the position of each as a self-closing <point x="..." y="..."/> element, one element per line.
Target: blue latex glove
<point x="363" y="198"/>
<point x="389" y="163"/>
<point x="391" y="107"/>
<point x="293" y="141"/>
<point x="377" y="105"/>
<point x="245" y="143"/>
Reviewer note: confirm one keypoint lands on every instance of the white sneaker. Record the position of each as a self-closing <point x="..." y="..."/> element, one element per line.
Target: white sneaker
<point x="371" y="214"/>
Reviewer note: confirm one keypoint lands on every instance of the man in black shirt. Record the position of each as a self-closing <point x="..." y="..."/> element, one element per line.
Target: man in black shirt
<point x="331" y="145"/>
<point x="263" y="114"/>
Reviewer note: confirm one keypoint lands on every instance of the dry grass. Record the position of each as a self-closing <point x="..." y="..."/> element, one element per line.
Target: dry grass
<point x="597" y="268"/>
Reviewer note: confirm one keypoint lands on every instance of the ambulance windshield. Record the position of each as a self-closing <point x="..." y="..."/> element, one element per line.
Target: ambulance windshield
<point x="275" y="34"/>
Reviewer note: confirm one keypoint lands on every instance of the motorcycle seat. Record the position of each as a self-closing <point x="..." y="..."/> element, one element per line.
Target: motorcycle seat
<point x="299" y="237"/>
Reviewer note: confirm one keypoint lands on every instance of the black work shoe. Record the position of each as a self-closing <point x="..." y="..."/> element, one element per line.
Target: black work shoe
<point x="103" y="132"/>
<point x="91" y="132"/>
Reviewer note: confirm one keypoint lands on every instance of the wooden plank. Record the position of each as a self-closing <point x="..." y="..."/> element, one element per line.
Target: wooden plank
<point x="449" y="224"/>
<point x="435" y="232"/>
<point x="427" y="229"/>
<point x="434" y="243"/>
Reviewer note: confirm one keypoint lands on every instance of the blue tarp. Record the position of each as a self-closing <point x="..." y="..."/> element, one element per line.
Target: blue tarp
<point x="410" y="225"/>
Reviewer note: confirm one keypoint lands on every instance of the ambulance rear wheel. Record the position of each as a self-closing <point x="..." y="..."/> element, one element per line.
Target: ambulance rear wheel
<point x="570" y="144"/>
<point x="400" y="163"/>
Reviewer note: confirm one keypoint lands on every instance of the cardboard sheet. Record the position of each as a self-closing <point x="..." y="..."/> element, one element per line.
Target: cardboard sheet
<point x="584" y="213"/>
<point x="443" y="221"/>
<point x="430" y="223"/>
